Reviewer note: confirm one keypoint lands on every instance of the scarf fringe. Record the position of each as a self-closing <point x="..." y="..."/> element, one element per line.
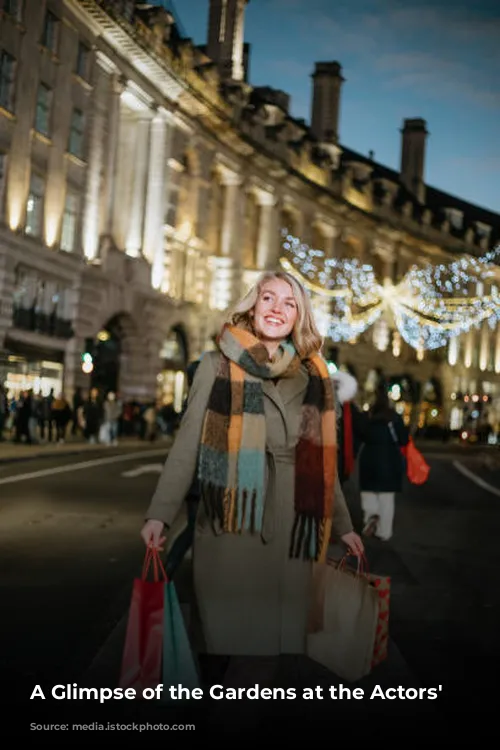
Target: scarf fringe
<point x="235" y="512"/>
<point x="308" y="537"/>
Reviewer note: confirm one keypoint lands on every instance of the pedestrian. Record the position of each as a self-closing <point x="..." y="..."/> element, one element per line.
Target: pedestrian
<point x="112" y="411"/>
<point x="350" y="426"/>
<point x="260" y="427"/>
<point x="60" y="416"/>
<point x="381" y="466"/>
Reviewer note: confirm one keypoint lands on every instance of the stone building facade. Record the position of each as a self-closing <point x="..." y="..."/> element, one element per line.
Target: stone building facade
<point x="144" y="183"/>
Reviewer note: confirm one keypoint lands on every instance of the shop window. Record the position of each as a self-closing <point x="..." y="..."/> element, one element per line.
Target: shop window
<point x="70" y="222"/>
<point x="173" y="195"/>
<point x="50" y="35"/>
<point x="7" y="81"/>
<point x="3" y="176"/>
<point x="34" y="208"/>
<point x="77" y="133"/>
<point x="43" y="110"/>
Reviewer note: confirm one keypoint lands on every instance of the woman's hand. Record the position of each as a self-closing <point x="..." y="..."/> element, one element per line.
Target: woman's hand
<point x="152" y="534"/>
<point x="354" y="544"/>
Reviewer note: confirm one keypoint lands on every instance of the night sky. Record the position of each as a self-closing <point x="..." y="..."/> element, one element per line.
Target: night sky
<point x="438" y="60"/>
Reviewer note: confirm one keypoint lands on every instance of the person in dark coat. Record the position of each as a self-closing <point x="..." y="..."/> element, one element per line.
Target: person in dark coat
<point x="381" y="466"/>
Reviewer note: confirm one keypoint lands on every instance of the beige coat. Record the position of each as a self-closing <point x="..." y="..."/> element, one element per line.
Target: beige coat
<point x="252" y="599"/>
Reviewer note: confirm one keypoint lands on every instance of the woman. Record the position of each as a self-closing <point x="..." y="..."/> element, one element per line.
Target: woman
<point x="381" y="466"/>
<point x="260" y="426"/>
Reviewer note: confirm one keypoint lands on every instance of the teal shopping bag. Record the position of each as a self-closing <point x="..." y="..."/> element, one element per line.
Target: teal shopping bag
<point x="178" y="662"/>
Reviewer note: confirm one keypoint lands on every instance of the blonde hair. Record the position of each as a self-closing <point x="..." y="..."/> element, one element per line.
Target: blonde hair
<point x="305" y="335"/>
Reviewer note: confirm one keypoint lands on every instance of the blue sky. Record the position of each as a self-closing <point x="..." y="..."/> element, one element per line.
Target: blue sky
<point x="438" y="59"/>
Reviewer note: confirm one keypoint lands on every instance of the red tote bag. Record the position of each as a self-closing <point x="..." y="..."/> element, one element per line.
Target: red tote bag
<point x="141" y="666"/>
<point x="417" y="468"/>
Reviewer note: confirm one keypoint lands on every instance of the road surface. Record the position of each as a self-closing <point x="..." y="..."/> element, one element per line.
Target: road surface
<point x="70" y="547"/>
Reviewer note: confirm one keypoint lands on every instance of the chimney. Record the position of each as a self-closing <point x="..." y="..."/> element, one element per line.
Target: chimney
<point x="226" y="45"/>
<point x="327" y="82"/>
<point x="414" y="134"/>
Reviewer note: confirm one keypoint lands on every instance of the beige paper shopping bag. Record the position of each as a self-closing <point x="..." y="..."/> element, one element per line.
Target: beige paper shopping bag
<point x="343" y="621"/>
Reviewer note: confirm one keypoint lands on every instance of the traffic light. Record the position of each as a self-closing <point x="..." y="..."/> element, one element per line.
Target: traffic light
<point x="88" y="357"/>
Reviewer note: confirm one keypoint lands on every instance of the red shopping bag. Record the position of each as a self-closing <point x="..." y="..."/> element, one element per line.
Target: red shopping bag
<point x="417" y="468"/>
<point x="382" y="585"/>
<point x="141" y="666"/>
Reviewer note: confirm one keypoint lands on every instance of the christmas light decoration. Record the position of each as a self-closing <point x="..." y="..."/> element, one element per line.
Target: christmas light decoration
<point x="430" y="305"/>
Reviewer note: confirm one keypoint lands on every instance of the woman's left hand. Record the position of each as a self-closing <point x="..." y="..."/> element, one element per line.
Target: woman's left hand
<point x="354" y="543"/>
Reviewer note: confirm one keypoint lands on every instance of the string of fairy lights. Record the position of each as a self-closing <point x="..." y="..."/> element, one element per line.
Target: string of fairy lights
<point x="429" y="306"/>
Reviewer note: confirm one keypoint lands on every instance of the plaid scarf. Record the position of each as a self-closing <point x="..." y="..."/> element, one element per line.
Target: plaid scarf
<point x="233" y="443"/>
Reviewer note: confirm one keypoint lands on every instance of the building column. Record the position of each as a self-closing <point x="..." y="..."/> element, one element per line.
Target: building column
<point x="228" y="243"/>
<point x="268" y="238"/>
<point x="113" y="119"/>
<point x="497" y="351"/>
<point x="100" y="114"/>
<point x="133" y="244"/>
<point x="484" y="347"/>
<point x="154" y="220"/>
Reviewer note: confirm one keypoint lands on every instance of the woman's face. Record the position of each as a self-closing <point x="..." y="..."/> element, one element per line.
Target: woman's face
<point x="275" y="311"/>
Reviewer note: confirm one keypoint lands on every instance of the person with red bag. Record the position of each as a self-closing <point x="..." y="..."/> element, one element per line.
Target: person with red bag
<point x="382" y="467"/>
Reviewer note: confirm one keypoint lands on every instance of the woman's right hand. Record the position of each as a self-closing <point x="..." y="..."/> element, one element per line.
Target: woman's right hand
<point x="152" y="534"/>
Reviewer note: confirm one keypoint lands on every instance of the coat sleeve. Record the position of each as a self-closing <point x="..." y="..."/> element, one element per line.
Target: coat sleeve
<point x="180" y="466"/>
<point x="402" y="431"/>
<point x="341" y="523"/>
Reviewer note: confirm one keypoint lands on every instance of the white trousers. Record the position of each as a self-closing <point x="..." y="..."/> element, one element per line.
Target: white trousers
<point x="379" y="504"/>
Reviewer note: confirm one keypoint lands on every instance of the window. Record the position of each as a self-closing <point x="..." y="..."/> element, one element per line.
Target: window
<point x="43" y="107"/>
<point x="50" y="32"/>
<point x="34" y="208"/>
<point x="7" y="80"/>
<point x="82" y="61"/>
<point x="3" y="173"/>
<point x="13" y="8"/>
<point x="76" y="133"/>
<point x="70" y="222"/>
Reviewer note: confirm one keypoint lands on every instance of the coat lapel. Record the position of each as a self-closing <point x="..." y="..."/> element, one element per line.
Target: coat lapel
<point x="290" y="388"/>
<point x="286" y="390"/>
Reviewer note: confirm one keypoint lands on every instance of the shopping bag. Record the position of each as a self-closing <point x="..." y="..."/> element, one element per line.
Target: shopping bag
<point x="417" y="468"/>
<point x="141" y="665"/>
<point x="343" y="620"/>
<point x="178" y="661"/>
<point x="382" y="585"/>
<point x="105" y="433"/>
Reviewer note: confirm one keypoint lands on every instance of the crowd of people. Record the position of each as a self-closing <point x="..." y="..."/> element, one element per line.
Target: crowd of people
<point x="32" y="418"/>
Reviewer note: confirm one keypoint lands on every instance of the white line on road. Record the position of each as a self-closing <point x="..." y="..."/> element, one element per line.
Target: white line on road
<point x="477" y="480"/>
<point x="146" y="469"/>
<point x="82" y="465"/>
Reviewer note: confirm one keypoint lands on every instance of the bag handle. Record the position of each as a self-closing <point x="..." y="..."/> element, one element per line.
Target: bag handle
<point x="362" y="567"/>
<point x="153" y="555"/>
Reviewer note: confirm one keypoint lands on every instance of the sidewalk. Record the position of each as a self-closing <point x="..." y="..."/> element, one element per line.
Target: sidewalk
<point x="12" y="452"/>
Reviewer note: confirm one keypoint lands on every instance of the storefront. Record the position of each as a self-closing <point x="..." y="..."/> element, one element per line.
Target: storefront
<point x="171" y="380"/>
<point x="20" y="373"/>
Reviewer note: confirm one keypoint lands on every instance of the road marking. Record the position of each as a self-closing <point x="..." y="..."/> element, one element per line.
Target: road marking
<point x="83" y="465"/>
<point x="146" y="469"/>
<point x="477" y="480"/>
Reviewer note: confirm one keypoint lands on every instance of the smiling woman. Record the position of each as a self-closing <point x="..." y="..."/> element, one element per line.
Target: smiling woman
<point x="260" y="434"/>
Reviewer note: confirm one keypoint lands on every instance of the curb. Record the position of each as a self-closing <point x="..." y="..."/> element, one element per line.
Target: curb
<point x="79" y="451"/>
